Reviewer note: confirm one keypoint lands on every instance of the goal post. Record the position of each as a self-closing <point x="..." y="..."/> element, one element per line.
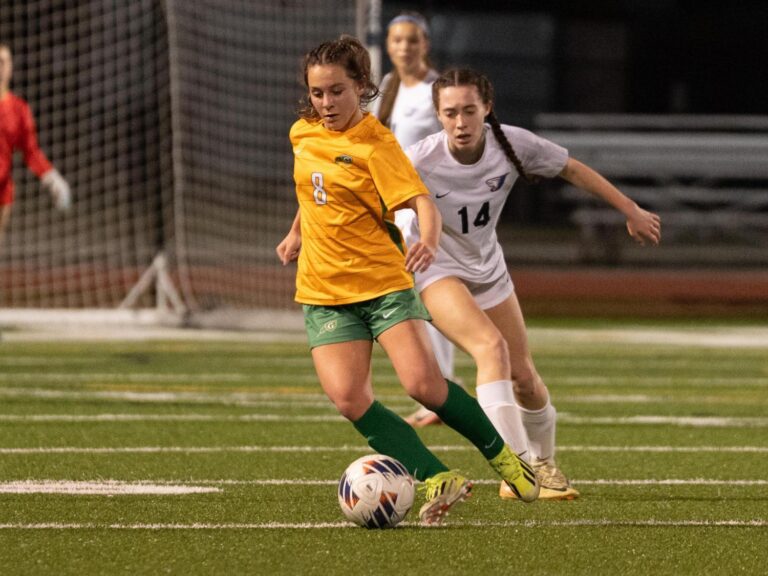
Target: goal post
<point x="170" y="122"/>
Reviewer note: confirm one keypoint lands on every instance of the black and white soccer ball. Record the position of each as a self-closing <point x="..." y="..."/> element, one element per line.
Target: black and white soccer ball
<point x="376" y="491"/>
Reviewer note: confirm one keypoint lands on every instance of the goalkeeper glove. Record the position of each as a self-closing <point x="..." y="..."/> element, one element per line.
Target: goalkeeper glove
<point x="55" y="184"/>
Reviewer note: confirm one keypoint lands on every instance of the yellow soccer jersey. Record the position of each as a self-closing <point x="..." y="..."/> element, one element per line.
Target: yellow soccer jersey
<point x="347" y="183"/>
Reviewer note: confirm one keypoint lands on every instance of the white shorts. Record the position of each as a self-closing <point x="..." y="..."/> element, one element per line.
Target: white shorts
<point x="486" y="294"/>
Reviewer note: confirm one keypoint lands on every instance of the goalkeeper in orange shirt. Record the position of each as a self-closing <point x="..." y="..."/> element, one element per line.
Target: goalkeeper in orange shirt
<point x="17" y="132"/>
<point x="356" y="284"/>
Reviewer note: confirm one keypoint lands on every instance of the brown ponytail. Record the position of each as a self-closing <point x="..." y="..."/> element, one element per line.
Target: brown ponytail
<point x="388" y="97"/>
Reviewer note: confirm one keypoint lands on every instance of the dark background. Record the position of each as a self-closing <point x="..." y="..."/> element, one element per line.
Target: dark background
<point x="648" y="56"/>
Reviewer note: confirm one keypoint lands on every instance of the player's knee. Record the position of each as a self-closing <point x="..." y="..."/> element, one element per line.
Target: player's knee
<point x="351" y="407"/>
<point x="492" y="351"/>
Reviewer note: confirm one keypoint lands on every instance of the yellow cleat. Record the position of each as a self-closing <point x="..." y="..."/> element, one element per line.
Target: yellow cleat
<point x="554" y="484"/>
<point x="517" y="475"/>
<point x="443" y="491"/>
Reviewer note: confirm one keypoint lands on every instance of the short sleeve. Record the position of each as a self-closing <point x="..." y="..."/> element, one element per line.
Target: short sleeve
<point x="394" y="176"/>
<point x="538" y="155"/>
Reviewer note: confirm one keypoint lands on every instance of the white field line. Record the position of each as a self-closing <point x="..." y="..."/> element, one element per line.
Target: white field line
<point x="563" y="418"/>
<point x="310" y="378"/>
<point x="96" y="418"/>
<point x="250" y="365"/>
<point x="234" y="399"/>
<point x="694" y="421"/>
<point x="359" y="448"/>
<point x="494" y="482"/>
<point x="48" y="361"/>
<point x="122" y="377"/>
<point x="101" y="488"/>
<point x="757" y="523"/>
<point x="294" y="400"/>
<point x="715" y="337"/>
<point x="200" y="486"/>
<point x="656" y="381"/>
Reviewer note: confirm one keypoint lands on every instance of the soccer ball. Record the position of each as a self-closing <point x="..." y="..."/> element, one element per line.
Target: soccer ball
<point x="376" y="491"/>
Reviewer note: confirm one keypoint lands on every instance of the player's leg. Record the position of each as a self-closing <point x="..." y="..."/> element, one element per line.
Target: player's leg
<point x="537" y="413"/>
<point x="445" y="353"/>
<point x="341" y="344"/>
<point x="455" y="312"/>
<point x="407" y="345"/>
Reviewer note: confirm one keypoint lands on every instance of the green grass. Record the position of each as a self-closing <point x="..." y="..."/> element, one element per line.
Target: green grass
<point x="229" y="416"/>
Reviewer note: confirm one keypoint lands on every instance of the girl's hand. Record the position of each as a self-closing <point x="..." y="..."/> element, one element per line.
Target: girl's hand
<point x="644" y="226"/>
<point x="288" y="250"/>
<point x="419" y="257"/>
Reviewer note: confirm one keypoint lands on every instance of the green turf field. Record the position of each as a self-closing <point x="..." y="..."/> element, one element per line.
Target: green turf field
<point x="223" y="458"/>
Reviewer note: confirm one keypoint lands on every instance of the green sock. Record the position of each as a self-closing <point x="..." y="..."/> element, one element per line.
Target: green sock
<point x="462" y="413"/>
<point x="389" y="434"/>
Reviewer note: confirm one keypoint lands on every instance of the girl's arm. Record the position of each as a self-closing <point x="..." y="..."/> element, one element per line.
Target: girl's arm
<point x="642" y="225"/>
<point x="422" y="253"/>
<point x="288" y="250"/>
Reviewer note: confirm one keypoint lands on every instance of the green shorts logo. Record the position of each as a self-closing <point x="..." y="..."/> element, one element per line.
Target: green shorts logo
<point x="329" y="326"/>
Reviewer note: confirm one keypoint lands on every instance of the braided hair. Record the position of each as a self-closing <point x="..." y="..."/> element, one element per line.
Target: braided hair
<point x="347" y="52"/>
<point x="467" y="77"/>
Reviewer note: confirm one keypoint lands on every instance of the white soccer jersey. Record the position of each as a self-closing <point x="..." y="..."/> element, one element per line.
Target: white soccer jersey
<point x="413" y="115"/>
<point x="471" y="197"/>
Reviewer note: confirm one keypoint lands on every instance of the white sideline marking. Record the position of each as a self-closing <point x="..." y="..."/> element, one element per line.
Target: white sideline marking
<point x="359" y="448"/>
<point x="246" y="399"/>
<point x="495" y="482"/>
<point x="293" y="400"/>
<point x="695" y="421"/>
<point x="690" y="449"/>
<point x="157" y="418"/>
<point x="47" y="361"/>
<point x="102" y="488"/>
<point x="654" y="381"/>
<point x="714" y="337"/>
<point x="563" y="417"/>
<point x="334" y="525"/>
<point x="200" y="485"/>
<point x="310" y="378"/>
<point x="122" y="377"/>
<point x="616" y="399"/>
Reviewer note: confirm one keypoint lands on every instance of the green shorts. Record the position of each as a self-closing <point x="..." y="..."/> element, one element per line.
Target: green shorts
<point x="362" y="320"/>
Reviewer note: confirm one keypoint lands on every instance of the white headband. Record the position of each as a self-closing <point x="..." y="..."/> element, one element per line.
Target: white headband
<point x="418" y="20"/>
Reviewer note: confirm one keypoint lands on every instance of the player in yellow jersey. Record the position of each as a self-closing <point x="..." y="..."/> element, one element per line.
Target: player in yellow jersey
<point x="354" y="279"/>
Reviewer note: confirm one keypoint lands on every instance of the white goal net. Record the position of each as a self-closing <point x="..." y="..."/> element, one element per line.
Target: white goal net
<point x="170" y="121"/>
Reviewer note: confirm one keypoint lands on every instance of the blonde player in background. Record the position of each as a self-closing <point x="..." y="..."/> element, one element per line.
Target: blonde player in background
<point x="405" y="107"/>
<point x="17" y="132"/>
<point x="470" y="168"/>
<point x="355" y="282"/>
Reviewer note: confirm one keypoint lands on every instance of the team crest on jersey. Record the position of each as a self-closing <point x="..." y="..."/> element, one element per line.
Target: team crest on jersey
<point x="497" y="182"/>
<point x="343" y="158"/>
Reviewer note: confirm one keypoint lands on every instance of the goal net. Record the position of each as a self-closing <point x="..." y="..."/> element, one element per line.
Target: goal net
<point x="170" y="122"/>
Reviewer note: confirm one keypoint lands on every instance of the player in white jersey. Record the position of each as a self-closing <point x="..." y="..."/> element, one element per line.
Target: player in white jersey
<point x="470" y="168"/>
<point x="406" y="108"/>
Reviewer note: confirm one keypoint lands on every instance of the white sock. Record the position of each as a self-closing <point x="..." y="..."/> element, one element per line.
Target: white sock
<point x="497" y="399"/>
<point x="540" y="429"/>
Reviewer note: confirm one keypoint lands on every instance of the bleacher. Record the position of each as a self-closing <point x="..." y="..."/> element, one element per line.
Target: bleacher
<point x="706" y="176"/>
